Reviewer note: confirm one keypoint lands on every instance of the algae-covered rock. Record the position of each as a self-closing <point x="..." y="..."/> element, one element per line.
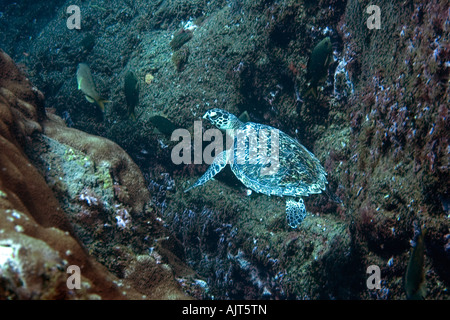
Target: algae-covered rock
<point x="36" y="238"/>
<point x="180" y="58"/>
<point x="40" y="235"/>
<point x="247" y="235"/>
<point x="29" y="267"/>
<point x="379" y="127"/>
<point x="121" y="167"/>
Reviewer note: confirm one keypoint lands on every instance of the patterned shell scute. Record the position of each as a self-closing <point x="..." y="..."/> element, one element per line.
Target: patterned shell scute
<point x="268" y="161"/>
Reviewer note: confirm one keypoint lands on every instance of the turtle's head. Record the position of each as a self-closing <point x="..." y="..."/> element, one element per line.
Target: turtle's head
<point x="222" y="119"/>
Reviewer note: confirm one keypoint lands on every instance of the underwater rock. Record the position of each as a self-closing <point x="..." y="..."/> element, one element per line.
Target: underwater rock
<point x="121" y="167"/>
<point x="106" y="206"/>
<point x="276" y="264"/>
<point x="180" y="58"/>
<point x="35" y="239"/>
<point x="383" y="140"/>
<point x="21" y="109"/>
<point x="38" y="245"/>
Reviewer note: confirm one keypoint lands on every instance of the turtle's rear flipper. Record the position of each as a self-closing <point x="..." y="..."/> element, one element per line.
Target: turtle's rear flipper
<point x="295" y="212"/>
<point x="218" y="164"/>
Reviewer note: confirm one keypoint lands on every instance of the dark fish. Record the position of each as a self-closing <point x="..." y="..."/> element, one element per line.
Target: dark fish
<point x="131" y="89"/>
<point x="318" y="63"/>
<point x="163" y="124"/>
<point x="66" y="117"/>
<point x="415" y="277"/>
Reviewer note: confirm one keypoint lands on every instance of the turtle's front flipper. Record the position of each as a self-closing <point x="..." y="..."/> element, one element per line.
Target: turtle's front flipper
<point x="218" y="164"/>
<point x="295" y="212"/>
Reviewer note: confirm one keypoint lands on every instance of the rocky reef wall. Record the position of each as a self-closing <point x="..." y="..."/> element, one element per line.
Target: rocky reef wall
<point x="39" y="239"/>
<point x="379" y="125"/>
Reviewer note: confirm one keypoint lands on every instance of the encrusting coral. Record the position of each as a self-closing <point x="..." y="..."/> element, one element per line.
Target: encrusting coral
<point x="37" y="241"/>
<point x="121" y="166"/>
<point x="35" y="237"/>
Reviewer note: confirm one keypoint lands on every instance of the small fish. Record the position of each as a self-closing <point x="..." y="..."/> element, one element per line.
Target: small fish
<point x="87" y="86"/>
<point x="131" y="89"/>
<point x="318" y="63"/>
<point x="415" y="286"/>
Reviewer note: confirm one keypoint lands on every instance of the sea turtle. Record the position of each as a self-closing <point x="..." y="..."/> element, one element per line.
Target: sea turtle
<point x="268" y="161"/>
